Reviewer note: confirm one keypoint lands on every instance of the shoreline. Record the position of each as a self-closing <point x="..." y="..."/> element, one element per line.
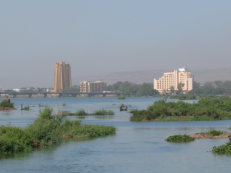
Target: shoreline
<point x="7" y="109"/>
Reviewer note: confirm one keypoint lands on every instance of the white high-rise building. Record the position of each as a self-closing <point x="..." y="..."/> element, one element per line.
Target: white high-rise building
<point x="173" y="80"/>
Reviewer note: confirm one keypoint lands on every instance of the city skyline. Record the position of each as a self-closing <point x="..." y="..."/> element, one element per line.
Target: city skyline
<point x="111" y="37"/>
<point x="138" y="77"/>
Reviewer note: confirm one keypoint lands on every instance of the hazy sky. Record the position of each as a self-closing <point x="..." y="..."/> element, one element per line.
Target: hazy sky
<point x="105" y="36"/>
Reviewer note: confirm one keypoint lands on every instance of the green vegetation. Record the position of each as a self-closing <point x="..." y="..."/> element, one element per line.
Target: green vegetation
<point x="103" y="112"/>
<point x="47" y="130"/>
<point x="208" y="108"/>
<point x="215" y="133"/>
<point x="212" y="88"/>
<point x="223" y="149"/>
<point x="185" y="97"/>
<point x="121" y="97"/>
<point x="6" y="104"/>
<point x="82" y="112"/>
<point x="180" y="139"/>
<point x="14" y="140"/>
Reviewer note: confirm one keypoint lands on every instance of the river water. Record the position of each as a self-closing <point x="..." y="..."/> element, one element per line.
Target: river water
<point x="136" y="147"/>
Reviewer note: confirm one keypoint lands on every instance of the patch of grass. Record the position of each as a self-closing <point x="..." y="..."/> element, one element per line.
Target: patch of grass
<point x="82" y="112"/>
<point x="103" y="112"/>
<point x="121" y="97"/>
<point x="223" y="149"/>
<point x="180" y="139"/>
<point x="47" y="130"/>
<point x="215" y="132"/>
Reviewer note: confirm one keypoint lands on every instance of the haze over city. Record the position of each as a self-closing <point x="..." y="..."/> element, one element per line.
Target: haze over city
<point x="108" y="39"/>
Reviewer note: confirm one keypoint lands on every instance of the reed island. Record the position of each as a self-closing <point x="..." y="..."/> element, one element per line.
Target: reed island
<point x="206" y="109"/>
<point x="6" y="105"/>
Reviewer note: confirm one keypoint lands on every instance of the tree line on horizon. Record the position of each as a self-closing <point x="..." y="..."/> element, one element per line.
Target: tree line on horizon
<point x="129" y="89"/>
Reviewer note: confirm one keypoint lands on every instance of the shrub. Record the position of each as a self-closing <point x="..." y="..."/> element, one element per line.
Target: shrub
<point x="46" y="113"/>
<point x="139" y="115"/>
<point x="6" y="104"/>
<point x="13" y="140"/>
<point x="81" y="112"/>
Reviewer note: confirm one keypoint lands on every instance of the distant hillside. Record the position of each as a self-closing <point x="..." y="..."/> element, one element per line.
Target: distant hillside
<point x="204" y="75"/>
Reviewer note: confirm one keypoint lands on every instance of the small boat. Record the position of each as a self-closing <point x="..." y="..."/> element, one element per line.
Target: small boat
<point x="123" y="108"/>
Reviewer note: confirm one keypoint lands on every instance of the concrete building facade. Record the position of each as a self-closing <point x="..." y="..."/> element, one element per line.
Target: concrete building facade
<point x="172" y="81"/>
<point x="93" y="87"/>
<point x="62" y="77"/>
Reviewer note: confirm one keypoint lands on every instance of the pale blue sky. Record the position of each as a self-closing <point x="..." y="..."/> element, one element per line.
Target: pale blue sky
<point x="104" y="36"/>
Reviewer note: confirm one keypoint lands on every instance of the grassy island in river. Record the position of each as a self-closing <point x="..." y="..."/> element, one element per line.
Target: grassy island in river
<point x="82" y="112"/>
<point x="212" y="134"/>
<point x="6" y="105"/>
<point x="47" y="130"/>
<point x="223" y="149"/>
<point x="180" y="139"/>
<point x="208" y="108"/>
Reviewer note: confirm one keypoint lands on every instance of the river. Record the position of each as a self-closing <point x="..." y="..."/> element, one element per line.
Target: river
<point x="137" y="146"/>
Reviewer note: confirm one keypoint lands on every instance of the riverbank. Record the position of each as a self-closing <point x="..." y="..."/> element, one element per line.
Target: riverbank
<point x="6" y="109"/>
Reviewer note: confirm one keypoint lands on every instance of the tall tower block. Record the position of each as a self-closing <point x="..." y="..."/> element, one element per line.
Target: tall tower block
<point x="62" y="77"/>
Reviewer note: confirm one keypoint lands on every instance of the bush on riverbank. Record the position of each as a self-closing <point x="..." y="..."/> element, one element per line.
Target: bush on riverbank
<point x="215" y="108"/>
<point x="47" y="130"/>
<point x="180" y="139"/>
<point x="6" y="104"/>
<point x="81" y="112"/>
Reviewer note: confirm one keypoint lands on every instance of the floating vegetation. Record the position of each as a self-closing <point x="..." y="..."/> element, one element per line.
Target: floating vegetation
<point x="180" y="139"/>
